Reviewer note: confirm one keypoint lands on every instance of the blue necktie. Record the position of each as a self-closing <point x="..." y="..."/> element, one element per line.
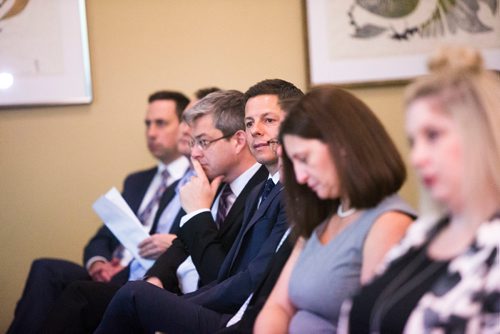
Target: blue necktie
<point x="268" y="187"/>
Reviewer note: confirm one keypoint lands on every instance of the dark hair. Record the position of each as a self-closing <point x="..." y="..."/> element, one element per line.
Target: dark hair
<point x="181" y="100"/>
<point x="368" y="164"/>
<point x="284" y="90"/>
<point x="202" y="92"/>
<point x="227" y="108"/>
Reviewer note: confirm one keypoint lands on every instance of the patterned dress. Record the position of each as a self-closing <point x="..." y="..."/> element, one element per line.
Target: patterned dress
<point x="463" y="298"/>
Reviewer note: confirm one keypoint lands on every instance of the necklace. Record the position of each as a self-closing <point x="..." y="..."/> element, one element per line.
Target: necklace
<point x="342" y="214"/>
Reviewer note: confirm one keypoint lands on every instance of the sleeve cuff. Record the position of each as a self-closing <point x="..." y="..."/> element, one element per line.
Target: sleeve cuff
<point x="93" y="259"/>
<point x="188" y="216"/>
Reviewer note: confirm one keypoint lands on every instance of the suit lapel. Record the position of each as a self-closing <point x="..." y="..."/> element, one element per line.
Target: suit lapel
<point x="251" y="204"/>
<point x="139" y="187"/>
<point x="264" y="206"/>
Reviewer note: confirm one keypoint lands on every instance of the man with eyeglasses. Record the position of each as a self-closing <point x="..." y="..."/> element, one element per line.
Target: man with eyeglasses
<point x="139" y="307"/>
<point x="219" y="154"/>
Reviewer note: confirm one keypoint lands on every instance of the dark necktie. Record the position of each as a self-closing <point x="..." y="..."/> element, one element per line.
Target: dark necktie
<point x="146" y="213"/>
<point x="223" y="207"/>
<point x="268" y="187"/>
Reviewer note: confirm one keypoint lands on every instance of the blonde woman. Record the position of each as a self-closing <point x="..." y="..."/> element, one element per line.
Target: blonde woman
<point x="445" y="275"/>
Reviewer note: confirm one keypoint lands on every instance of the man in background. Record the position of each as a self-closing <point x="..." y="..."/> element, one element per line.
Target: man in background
<point x="104" y="257"/>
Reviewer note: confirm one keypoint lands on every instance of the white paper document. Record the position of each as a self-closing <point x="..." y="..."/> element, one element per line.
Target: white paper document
<point x="121" y="220"/>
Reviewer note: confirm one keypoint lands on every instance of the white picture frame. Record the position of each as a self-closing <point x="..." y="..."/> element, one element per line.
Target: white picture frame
<point x="44" y="53"/>
<point x="338" y="55"/>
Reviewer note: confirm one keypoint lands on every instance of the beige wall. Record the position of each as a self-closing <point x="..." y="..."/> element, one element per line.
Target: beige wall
<point x="54" y="162"/>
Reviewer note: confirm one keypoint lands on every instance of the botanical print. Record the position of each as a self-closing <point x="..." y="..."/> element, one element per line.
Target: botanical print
<point x="43" y="53"/>
<point x="10" y="8"/>
<point x="447" y="17"/>
<point x="382" y="28"/>
<point x="30" y="38"/>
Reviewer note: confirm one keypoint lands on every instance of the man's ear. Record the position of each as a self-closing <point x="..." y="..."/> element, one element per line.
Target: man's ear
<point x="241" y="140"/>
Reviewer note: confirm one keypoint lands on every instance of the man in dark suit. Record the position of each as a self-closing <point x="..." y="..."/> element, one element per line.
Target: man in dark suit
<point x="142" y="307"/>
<point x="220" y="154"/>
<point x="49" y="277"/>
<point x="205" y="237"/>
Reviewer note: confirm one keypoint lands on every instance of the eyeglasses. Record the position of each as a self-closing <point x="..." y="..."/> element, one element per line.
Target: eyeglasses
<point x="203" y="144"/>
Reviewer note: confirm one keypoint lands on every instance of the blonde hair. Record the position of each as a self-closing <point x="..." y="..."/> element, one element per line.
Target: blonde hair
<point x="470" y="95"/>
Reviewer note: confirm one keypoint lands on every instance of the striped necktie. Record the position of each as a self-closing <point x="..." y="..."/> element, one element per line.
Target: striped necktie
<point x="223" y="207"/>
<point x="146" y="213"/>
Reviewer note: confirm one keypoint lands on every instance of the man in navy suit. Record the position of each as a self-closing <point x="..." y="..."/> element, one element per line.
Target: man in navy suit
<point x="219" y="154"/>
<point x="141" y="307"/>
<point x="49" y="277"/>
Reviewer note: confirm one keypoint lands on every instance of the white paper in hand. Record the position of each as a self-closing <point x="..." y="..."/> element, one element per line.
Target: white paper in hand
<point x="121" y="220"/>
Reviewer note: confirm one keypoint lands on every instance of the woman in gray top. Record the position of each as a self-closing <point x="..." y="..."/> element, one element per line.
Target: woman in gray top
<point x="341" y="174"/>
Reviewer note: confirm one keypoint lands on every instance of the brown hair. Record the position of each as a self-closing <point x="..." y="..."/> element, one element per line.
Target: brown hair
<point x="284" y="90"/>
<point x="181" y="100"/>
<point x="202" y="92"/>
<point x="368" y="164"/>
<point x="227" y="108"/>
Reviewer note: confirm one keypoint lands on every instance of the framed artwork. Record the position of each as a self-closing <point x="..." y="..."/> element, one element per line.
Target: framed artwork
<point x="353" y="42"/>
<point x="44" y="53"/>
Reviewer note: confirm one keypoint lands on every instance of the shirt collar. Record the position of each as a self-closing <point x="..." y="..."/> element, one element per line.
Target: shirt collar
<point x="176" y="168"/>
<point x="241" y="181"/>
<point x="275" y="177"/>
